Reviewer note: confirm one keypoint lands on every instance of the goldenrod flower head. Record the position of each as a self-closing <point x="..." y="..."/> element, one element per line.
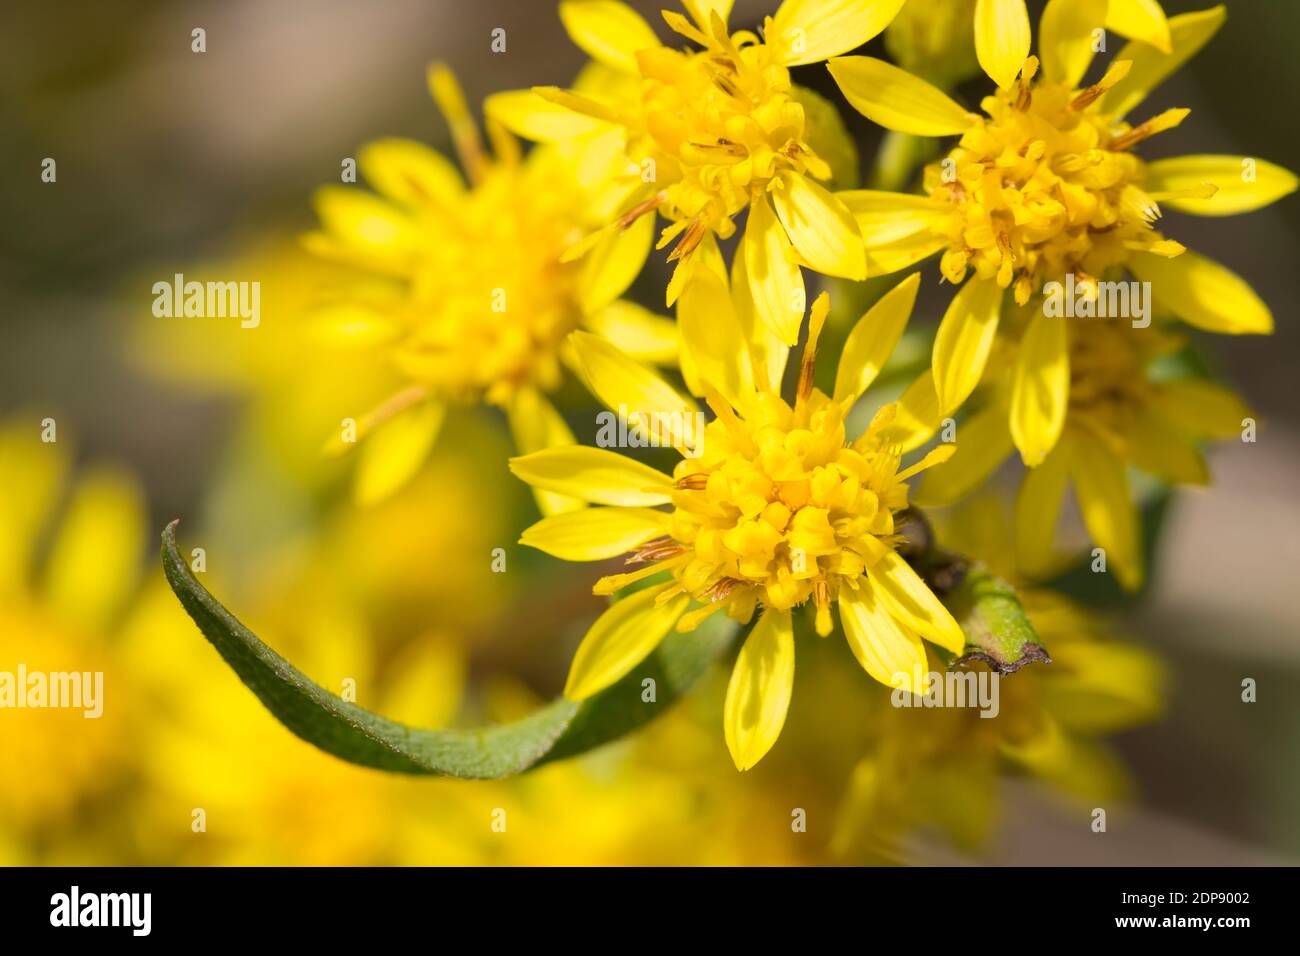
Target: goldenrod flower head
<point x="1049" y="724"/>
<point x="1046" y="187"/>
<point x="772" y="505"/>
<point x="468" y="279"/>
<point x="466" y="284"/>
<point x="1118" y="413"/>
<point x="715" y="131"/>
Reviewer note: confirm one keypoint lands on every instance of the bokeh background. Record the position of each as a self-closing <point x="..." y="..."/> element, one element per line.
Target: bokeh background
<point x="174" y="161"/>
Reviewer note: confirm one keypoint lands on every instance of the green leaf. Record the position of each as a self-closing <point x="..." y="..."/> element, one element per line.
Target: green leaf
<point x="997" y="629"/>
<point x="560" y="729"/>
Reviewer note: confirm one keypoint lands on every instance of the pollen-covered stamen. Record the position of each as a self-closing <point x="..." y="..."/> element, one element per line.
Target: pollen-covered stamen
<point x="655" y="550"/>
<point x="1157" y="124"/>
<point x="1027" y="72"/>
<point x="1116" y="72"/>
<point x="807" y="366"/>
<point x="721" y="589"/>
<point x="690" y="240"/>
<point x="1044" y="187"/>
<point x="649" y="204"/>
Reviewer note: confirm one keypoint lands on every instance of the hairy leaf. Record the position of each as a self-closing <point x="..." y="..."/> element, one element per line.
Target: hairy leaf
<point x="558" y="730"/>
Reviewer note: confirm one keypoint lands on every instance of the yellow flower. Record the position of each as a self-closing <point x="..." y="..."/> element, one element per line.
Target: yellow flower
<point x="466" y="282"/>
<point x="770" y="505"/>
<point x="1047" y="186"/>
<point x="1119" y="413"/>
<point x="713" y="132"/>
<point x="1047" y="189"/>
<point x="940" y="766"/>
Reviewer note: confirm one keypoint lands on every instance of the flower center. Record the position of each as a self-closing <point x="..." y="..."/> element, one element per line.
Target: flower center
<point x="778" y="508"/>
<point x="724" y="122"/>
<point x="490" y="303"/>
<point x="1046" y="187"/>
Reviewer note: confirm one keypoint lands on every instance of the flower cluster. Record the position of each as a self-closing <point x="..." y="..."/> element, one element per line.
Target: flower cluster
<point x="790" y="497"/>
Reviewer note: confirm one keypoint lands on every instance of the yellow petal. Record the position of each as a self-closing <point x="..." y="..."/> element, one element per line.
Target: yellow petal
<point x="714" y="348"/>
<point x="1111" y="687"/>
<point x="633" y="390"/>
<point x="758" y="694"/>
<point x="609" y="268"/>
<point x="822" y="230"/>
<point x="902" y="253"/>
<point x="620" y="639"/>
<point x="1038" y="508"/>
<point x="1203" y="293"/>
<point x="94" y="562"/>
<point x="887" y="651"/>
<point x="1199" y="407"/>
<point x="1189" y="32"/>
<point x="806" y="31"/>
<point x="896" y="99"/>
<point x="886" y="218"/>
<point x="394" y="452"/>
<point x="609" y="31"/>
<point x="535" y="424"/>
<point x="910" y="599"/>
<point x="963" y="342"/>
<point x="873" y="338"/>
<point x="1002" y="38"/>
<point x="1156" y="448"/>
<point x="594" y="474"/>
<point x="1041" y="390"/>
<point x="640" y="333"/>
<point x="917" y="417"/>
<point x="594" y="534"/>
<point x="770" y="353"/>
<point x="533" y="117"/>
<point x="775" y="282"/>
<point x="410" y="172"/>
<point x="365" y="222"/>
<point x="983" y="442"/>
<point x="1244" y="183"/>
<point x="1140" y="20"/>
<point x="1065" y="38"/>
<point x="1101" y="486"/>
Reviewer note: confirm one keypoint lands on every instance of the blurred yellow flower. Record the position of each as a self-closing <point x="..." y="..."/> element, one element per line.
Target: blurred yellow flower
<point x="1047" y="190"/>
<point x="62" y="757"/>
<point x="769" y="505"/>
<point x="1121" y="413"/>
<point x="714" y="132"/>
<point x="939" y="767"/>
<point x="466" y="286"/>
